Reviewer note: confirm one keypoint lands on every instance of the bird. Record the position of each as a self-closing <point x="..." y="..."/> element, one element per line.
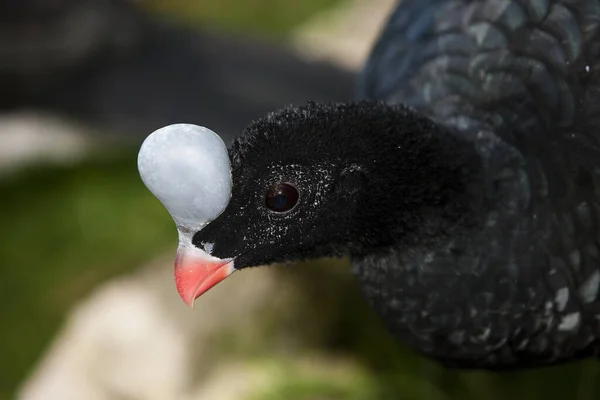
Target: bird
<point x="463" y="182"/>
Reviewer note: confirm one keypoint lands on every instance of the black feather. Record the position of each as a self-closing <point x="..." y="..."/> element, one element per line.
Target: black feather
<point x="473" y="217"/>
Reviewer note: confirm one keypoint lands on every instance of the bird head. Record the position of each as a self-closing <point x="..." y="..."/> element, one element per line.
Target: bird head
<point x="318" y="180"/>
<point x="274" y="196"/>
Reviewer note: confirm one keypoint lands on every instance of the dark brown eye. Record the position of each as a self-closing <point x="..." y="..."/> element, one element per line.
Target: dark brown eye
<point x="282" y="197"/>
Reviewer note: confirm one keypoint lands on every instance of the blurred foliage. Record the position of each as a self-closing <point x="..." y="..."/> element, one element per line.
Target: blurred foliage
<point x="318" y="379"/>
<point x="275" y="18"/>
<point x="66" y="230"/>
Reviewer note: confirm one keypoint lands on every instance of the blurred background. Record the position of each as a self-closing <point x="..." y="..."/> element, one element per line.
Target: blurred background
<point x="89" y="308"/>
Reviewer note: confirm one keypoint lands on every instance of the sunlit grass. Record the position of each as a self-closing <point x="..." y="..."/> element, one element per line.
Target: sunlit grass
<point x="274" y="18"/>
<point x="316" y="378"/>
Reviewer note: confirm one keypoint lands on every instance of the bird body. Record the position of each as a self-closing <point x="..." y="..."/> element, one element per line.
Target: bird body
<point x="465" y="188"/>
<point x="520" y="79"/>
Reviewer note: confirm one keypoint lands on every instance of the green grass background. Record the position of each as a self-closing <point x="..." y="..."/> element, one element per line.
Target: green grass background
<point x="273" y="18"/>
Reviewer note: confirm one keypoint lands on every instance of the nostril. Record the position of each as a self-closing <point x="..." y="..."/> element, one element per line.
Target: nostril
<point x="208" y="247"/>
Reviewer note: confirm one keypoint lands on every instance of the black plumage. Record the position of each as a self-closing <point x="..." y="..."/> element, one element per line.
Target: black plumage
<point x="471" y="216"/>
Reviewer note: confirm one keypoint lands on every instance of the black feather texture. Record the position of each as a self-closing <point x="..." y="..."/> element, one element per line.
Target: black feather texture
<point x="526" y="72"/>
<point x="469" y="201"/>
<point x="366" y="182"/>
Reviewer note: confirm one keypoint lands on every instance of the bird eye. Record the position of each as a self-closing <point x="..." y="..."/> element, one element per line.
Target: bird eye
<point x="281" y="197"/>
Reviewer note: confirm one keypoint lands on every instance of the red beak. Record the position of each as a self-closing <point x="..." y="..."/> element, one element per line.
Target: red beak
<point x="197" y="271"/>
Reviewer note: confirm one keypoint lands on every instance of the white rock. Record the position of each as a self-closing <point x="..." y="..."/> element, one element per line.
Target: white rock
<point x="29" y="138"/>
<point x="120" y="344"/>
<point x="134" y="338"/>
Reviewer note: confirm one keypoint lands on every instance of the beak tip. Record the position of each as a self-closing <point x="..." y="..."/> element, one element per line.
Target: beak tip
<point x="185" y="295"/>
<point x="194" y="279"/>
<point x="189" y="303"/>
